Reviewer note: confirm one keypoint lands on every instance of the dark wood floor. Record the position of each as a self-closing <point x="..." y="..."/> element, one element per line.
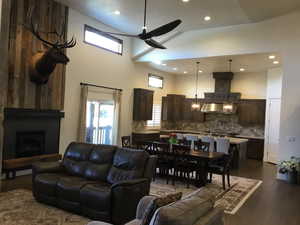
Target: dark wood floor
<point x="274" y="203"/>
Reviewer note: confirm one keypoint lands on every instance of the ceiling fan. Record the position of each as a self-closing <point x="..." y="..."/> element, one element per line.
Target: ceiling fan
<point x="147" y="36"/>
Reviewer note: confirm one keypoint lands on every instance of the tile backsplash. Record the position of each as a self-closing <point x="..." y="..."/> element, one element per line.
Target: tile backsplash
<point x="220" y="123"/>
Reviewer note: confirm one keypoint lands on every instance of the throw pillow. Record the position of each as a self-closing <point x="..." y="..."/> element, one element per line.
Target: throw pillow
<point x="158" y="203"/>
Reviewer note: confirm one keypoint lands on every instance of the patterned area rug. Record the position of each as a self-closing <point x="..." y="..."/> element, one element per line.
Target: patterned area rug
<point x="18" y="207"/>
<point x="231" y="200"/>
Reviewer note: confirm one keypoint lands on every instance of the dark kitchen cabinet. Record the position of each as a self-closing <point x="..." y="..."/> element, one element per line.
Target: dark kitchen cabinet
<point x="142" y="104"/>
<point x="255" y="149"/>
<point x="252" y="112"/>
<point x="189" y="114"/>
<point x="173" y="107"/>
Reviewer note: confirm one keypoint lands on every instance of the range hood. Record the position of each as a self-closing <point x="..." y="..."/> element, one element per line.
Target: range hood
<point x="222" y="100"/>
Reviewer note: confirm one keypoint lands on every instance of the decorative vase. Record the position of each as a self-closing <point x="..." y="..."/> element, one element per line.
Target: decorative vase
<point x="292" y="177"/>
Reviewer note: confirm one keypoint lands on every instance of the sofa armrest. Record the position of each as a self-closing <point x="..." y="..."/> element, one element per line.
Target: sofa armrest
<point x="125" y="198"/>
<point x="143" y="205"/>
<point x="214" y="217"/>
<point x="46" y="167"/>
<point x="150" y="167"/>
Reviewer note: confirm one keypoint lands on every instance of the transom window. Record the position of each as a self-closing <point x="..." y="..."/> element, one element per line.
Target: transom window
<point x="102" y="40"/>
<point x="155" y="81"/>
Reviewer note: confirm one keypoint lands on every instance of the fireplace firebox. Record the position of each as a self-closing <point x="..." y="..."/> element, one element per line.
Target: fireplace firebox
<point x="30" y="144"/>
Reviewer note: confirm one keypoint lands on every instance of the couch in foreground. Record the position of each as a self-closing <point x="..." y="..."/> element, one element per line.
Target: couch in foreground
<point x="101" y="182"/>
<point x="196" y="209"/>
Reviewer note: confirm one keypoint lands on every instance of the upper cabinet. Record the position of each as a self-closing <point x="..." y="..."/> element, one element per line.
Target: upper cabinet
<point x="142" y="104"/>
<point x="252" y="112"/>
<point x="173" y="107"/>
<point x="191" y="115"/>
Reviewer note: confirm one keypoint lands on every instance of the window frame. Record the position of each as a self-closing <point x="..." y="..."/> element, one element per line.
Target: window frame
<point x="97" y="31"/>
<point x="158" y="77"/>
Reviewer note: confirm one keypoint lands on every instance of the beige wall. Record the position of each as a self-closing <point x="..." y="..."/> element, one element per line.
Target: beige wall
<point x="251" y="85"/>
<point x="94" y="65"/>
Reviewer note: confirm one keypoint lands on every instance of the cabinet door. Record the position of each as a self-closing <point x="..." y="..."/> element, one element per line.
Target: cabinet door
<point x="175" y="104"/>
<point x="252" y="112"/>
<point x="142" y="104"/>
<point x="164" y="109"/>
<point x="148" y="105"/>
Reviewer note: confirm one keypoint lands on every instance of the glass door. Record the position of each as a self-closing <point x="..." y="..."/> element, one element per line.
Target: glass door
<point x="100" y="119"/>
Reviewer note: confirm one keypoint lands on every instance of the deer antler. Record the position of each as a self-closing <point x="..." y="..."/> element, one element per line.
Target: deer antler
<point x="33" y="28"/>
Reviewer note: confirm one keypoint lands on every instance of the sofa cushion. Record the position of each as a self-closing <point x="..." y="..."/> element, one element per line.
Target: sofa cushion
<point x="68" y="188"/>
<point x="100" y="161"/>
<point x="96" y="196"/>
<point x="158" y="203"/>
<point x="186" y="211"/>
<point x="128" y="164"/>
<point x="76" y="157"/>
<point x="45" y="183"/>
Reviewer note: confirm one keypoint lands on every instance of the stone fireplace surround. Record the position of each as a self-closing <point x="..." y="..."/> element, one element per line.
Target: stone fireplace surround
<point x="37" y="132"/>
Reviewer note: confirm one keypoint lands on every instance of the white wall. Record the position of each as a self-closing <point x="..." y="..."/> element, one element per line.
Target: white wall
<point x="251" y="85"/>
<point x="281" y="34"/>
<point x="94" y="65"/>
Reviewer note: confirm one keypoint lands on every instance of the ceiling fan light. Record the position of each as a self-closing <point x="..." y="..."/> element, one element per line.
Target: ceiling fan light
<point x="195" y="106"/>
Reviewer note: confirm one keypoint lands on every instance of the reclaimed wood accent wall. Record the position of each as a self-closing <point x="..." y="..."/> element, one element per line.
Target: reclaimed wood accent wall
<point x="21" y="92"/>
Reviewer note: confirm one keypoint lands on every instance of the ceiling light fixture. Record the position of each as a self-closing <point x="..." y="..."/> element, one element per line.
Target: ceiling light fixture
<point x="163" y="64"/>
<point x="200" y="71"/>
<point x="276" y="62"/>
<point x="185" y="72"/>
<point x="207" y="18"/>
<point x="272" y="56"/>
<point x="242" y="69"/>
<point x="174" y="68"/>
<point x="158" y="62"/>
<point x="196" y="104"/>
<point x="185" y="0"/>
<point x="117" y="12"/>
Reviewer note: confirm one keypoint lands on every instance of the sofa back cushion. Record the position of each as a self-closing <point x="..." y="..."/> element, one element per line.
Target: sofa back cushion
<point x="186" y="211"/>
<point x="128" y="164"/>
<point x="76" y="157"/>
<point x="100" y="161"/>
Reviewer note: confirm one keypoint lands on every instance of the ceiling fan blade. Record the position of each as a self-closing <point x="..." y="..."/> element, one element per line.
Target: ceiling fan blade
<point x="121" y="34"/>
<point x="155" y="44"/>
<point x="161" y="30"/>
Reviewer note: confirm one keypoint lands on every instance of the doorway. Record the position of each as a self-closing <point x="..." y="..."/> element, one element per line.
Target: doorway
<point x="273" y="128"/>
<point x="100" y="122"/>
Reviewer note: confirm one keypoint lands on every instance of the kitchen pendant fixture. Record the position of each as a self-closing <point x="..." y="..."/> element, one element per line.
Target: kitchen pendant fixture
<point x="196" y="103"/>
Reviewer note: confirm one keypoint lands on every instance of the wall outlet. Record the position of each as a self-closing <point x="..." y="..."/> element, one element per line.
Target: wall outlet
<point x="291" y="139"/>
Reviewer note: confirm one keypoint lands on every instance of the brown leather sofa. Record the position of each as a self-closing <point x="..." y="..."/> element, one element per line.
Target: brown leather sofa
<point x="101" y="182"/>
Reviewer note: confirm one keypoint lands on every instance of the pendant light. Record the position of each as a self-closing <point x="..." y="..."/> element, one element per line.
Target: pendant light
<point x="196" y="104"/>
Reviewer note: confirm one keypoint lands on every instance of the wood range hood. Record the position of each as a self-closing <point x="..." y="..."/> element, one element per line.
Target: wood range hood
<point x="222" y="100"/>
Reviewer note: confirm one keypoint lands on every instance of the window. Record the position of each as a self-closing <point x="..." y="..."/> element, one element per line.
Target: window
<point x="155" y="81"/>
<point x="102" y="40"/>
<point x="156" y="115"/>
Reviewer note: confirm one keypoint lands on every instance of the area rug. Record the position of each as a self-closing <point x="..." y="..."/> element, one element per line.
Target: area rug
<point x="231" y="199"/>
<point x="18" y="207"/>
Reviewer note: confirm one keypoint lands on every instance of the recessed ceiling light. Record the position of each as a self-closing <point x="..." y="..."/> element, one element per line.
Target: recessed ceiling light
<point x="207" y="18"/>
<point x="117" y="12"/>
<point x="200" y="71"/>
<point x="174" y="68"/>
<point x="158" y="62"/>
<point x="163" y="64"/>
<point x="275" y="62"/>
<point x="242" y="69"/>
<point x="272" y="56"/>
<point x="185" y="72"/>
<point x="185" y="0"/>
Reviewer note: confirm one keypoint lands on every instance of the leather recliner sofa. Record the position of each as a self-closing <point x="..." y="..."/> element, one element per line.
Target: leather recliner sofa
<point x="101" y="182"/>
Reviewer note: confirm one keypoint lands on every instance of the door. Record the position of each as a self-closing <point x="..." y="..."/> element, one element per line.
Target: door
<point x="273" y="130"/>
<point x="100" y="119"/>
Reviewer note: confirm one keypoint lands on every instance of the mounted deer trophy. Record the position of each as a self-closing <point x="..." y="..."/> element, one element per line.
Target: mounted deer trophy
<point x="43" y="63"/>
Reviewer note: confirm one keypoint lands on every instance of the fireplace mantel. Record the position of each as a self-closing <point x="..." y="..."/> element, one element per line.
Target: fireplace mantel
<point x="10" y="113"/>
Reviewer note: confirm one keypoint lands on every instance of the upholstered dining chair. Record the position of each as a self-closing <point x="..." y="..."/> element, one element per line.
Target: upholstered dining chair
<point x="211" y="142"/>
<point x="202" y="146"/>
<point x="222" y="166"/>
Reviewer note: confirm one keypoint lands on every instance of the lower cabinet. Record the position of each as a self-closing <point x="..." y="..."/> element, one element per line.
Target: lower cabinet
<point x="255" y="149"/>
<point x="137" y="137"/>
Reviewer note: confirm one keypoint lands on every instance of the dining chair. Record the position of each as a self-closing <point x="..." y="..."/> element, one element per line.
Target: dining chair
<point x="211" y="142"/>
<point x="192" y="139"/>
<point x="202" y="146"/>
<point x="165" y="160"/>
<point x="126" y="141"/>
<point x="222" y="166"/>
<point x="183" y="167"/>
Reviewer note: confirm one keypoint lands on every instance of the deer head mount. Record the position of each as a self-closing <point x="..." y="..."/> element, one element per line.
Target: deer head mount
<point x="43" y="63"/>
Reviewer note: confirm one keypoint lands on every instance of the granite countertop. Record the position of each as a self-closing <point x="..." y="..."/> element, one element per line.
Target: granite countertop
<point x="146" y="132"/>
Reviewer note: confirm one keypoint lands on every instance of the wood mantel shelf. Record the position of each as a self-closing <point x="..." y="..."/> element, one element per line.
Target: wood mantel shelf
<point x="12" y="165"/>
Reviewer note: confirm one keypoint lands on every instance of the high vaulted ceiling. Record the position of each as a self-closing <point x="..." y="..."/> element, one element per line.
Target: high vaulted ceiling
<point x="249" y="63"/>
<point x="222" y="12"/>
